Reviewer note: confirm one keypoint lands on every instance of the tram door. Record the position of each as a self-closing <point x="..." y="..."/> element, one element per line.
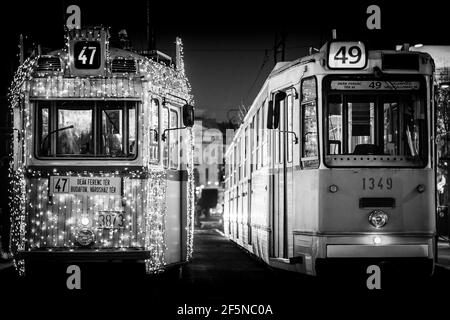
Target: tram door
<point x="279" y="220"/>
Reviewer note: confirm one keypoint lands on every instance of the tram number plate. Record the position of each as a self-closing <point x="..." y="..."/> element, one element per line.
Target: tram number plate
<point x="347" y="55"/>
<point x="87" y="55"/>
<point x="372" y="183"/>
<point x="110" y="220"/>
<point x="61" y="184"/>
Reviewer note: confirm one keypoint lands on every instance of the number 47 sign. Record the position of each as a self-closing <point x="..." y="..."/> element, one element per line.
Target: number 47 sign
<point x="87" y="55"/>
<point x="347" y="55"/>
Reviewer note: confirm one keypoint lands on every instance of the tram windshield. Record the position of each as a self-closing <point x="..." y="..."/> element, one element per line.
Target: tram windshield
<point x="86" y="129"/>
<point x="382" y="128"/>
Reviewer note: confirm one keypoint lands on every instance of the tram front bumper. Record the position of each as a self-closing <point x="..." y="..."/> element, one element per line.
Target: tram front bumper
<point x="378" y="251"/>
<point x="84" y="255"/>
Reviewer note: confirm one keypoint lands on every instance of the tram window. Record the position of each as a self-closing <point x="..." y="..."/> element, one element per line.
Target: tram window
<point x="74" y="122"/>
<point x="281" y="128"/>
<point x="132" y="142"/>
<point x="335" y="124"/>
<point x="234" y="164"/>
<point x="309" y="116"/>
<point x="68" y="129"/>
<point x="43" y="120"/>
<point x="290" y="127"/>
<point x="117" y="129"/>
<point x="239" y="160"/>
<point x="261" y="135"/>
<point x="165" y="125"/>
<point x="387" y="124"/>
<point x="173" y="140"/>
<point x="112" y="132"/>
<point x="264" y="135"/>
<point x="254" y="141"/>
<point x="154" y="125"/>
<point x="309" y="92"/>
<point x="257" y="139"/>
<point x="361" y="126"/>
<point x="246" y="144"/>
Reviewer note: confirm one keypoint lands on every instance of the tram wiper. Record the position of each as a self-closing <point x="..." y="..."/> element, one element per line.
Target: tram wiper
<point x="52" y="132"/>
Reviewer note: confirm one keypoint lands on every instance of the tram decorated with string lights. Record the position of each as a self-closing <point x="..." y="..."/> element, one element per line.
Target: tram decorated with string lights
<point x="334" y="163"/>
<point x="102" y="156"/>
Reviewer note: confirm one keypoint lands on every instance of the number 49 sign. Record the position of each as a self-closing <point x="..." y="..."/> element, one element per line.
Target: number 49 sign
<point x="347" y="55"/>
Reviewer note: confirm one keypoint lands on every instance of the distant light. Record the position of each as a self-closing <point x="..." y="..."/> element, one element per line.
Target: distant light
<point x="445" y="85"/>
<point x="216" y="183"/>
<point x="418" y="45"/>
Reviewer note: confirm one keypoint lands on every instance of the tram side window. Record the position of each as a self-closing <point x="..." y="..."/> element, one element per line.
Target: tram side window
<point x="239" y="160"/>
<point x="132" y="139"/>
<point x="252" y="145"/>
<point x="43" y="128"/>
<point x="257" y="140"/>
<point x="281" y="128"/>
<point x="310" y="148"/>
<point x="165" y="125"/>
<point x="260" y="135"/>
<point x="235" y="164"/>
<point x="246" y="144"/>
<point x="154" y="125"/>
<point x="290" y="127"/>
<point x="264" y="138"/>
<point x="173" y="140"/>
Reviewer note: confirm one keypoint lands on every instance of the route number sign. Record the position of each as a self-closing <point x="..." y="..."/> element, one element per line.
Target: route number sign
<point x="87" y="55"/>
<point x="347" y="55"/>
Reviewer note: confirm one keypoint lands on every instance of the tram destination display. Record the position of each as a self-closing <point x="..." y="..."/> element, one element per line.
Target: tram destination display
<point x="87" y="55"/>
<point x="347" y="55"/>
<point x="374" y="85"/>
<point x="86" y="185"/>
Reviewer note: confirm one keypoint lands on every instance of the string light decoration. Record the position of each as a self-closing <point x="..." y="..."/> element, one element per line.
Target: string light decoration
<point x="42" y="220"/>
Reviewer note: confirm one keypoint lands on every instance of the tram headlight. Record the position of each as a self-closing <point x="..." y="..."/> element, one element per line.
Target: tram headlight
<point x="378" y="218"/>
<point x="85" y="221"/>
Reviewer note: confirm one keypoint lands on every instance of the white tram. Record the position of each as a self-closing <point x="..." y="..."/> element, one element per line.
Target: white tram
<point x="100" y="171"/>
<point x="334" y="162"/>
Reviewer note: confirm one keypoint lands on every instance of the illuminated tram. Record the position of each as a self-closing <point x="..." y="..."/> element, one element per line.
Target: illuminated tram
<point x="100" y="171"/>
<point x="334" y="162"/>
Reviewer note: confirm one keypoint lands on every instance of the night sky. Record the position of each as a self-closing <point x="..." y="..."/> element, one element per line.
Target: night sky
<point x="228" y="44"/>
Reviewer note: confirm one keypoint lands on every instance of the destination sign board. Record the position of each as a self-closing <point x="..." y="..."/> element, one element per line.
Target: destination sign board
<point x="86" y="185"/>
<point x="374" y="85"/>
